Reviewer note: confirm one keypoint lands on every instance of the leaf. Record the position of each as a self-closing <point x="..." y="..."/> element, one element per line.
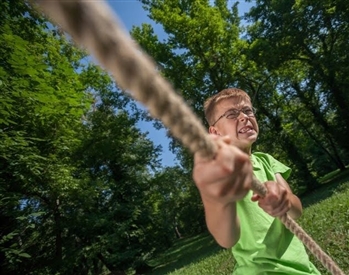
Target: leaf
<point x="24" y="255"/>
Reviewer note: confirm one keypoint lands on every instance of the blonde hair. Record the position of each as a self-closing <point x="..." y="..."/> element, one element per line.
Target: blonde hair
<point x="211" y="102"/>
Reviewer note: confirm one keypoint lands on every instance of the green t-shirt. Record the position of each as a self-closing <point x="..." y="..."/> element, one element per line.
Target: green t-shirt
<point x="266" y="246"/>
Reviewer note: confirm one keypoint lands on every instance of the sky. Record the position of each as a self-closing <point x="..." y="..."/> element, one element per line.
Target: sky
<point x="131" y="13"/>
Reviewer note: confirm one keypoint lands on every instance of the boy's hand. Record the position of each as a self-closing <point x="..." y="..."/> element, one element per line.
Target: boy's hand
<point x="226" y="178"/>
<point x="277" y="201"/>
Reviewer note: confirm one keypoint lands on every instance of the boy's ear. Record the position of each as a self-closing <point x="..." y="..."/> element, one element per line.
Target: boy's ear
<point x="213" y="130"/>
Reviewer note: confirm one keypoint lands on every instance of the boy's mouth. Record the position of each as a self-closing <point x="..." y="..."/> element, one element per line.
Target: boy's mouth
<point x="245" y="129"/>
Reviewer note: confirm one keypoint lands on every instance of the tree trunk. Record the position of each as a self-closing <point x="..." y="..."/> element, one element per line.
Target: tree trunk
<point x="178" y="234"/>
<point x="58" y="232"/>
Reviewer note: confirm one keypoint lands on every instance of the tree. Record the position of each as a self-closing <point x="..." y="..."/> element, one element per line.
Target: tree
<point x="303" y="42"/>
<point x="177" y="205"/>
<point x="116" y="158"/>
<point x="36" y="127"/>
<point x="207" y="50"/>
<point x="77" y="177"/>
<point x="74" y="168"/>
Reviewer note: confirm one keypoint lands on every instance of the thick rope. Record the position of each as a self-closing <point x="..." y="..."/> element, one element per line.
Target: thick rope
<point x="93" y="26"/>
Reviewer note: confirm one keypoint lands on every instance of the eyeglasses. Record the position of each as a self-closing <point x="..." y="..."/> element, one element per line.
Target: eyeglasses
<point x="234" y="113"/>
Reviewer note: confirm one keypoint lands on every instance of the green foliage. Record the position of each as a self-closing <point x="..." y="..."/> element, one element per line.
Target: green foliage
<point x="203" y="53"/>
<point x="69" y="152"/>
<point x="116" y="158"/>
<point x="288" y="57"/>
<point x="81" y="187"/>
<point x="13" y="252"/>
<point x="177" y="202"/>
<point x="294" y="80"/>
<point x="302" y="44"/>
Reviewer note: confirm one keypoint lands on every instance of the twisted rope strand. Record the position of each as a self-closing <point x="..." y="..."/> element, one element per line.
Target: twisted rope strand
<point x="93" y="26"/>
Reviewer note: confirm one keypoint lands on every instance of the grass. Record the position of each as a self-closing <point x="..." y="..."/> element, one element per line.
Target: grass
<point x="328" y="224"/>
<point x="325" y="219"/>
<point x="184" y="253"/>
<point x="331" y="184"/>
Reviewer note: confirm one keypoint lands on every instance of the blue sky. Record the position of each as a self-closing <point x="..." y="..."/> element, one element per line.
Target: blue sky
<point x="131" y="13"/>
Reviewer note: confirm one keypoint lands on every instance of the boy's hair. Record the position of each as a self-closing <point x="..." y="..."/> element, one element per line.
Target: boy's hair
<point x="211" y="102"/>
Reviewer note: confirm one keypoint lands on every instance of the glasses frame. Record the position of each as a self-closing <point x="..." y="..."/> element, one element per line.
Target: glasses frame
<point x="254" y="110"/>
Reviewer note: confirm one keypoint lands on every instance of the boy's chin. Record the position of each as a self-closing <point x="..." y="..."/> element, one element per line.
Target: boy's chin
<point x="249" y="137"/>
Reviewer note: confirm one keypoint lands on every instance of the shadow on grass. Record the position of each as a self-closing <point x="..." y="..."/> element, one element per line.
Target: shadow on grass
<point x="330" y="184"/>
<point x="186" y="251"/>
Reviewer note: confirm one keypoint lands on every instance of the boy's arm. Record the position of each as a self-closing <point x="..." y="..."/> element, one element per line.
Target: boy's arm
<point x="221" y="182"/>
<point x="222" y="222"/>
<point x="296" y="208"/>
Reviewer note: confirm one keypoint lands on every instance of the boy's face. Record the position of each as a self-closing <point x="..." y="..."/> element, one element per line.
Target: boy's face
<point x="243" y="130"/>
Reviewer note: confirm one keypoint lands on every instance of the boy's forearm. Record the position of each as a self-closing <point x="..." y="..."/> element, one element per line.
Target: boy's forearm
<point x="222" y="222"/>
<point x="296" y="205"/>
<point x="296" y="208"/>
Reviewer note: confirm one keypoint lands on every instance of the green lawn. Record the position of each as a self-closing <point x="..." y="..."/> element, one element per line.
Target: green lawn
<point x="325" y="219"/>
<point x="185" y="252"/>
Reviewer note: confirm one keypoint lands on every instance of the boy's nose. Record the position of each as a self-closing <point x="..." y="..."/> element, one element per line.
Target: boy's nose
<point x="242" y="116"/>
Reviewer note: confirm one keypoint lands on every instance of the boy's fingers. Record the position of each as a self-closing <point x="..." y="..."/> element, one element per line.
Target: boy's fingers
<point x="220" y="142"/>
<point x="255" y="197"/>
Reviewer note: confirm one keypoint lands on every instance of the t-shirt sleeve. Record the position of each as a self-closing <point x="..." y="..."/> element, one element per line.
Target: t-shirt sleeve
<point x="279" y="167"/>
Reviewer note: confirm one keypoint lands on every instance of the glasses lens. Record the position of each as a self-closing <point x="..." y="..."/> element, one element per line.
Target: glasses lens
<point x="233" y="113"/>
<point x="248" y="111"/>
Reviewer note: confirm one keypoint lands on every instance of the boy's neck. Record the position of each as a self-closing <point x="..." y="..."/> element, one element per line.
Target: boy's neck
<point x="246" y="150"/>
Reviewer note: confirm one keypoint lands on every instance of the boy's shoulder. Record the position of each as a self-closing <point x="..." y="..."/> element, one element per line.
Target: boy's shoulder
<point x="262" y="159"/>
<point x="269" y="162"/>
<point x="262" y="155"/>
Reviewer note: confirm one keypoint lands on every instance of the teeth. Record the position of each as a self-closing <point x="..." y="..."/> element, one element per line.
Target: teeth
<point x="244" y="130"/>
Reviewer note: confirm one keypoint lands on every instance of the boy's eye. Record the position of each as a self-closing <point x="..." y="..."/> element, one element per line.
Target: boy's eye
<point x="234" y="113"/>
<point x="247" y="111"/>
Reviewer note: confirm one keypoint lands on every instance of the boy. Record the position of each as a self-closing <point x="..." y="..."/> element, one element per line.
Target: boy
<point x="236" y="217"/>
